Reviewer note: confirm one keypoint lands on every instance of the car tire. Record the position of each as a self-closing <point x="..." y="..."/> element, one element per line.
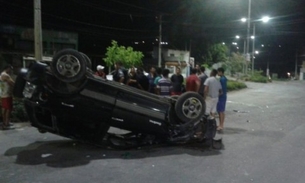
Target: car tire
<point x="68" y="65"/>
<point x="190" y="106"/>
<point x="88" y="61"/>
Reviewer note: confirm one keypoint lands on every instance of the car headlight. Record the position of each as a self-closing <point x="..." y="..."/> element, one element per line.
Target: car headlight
<point x="29" y="90"/>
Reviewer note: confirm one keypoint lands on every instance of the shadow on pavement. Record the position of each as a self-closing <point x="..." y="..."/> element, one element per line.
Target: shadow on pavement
<point x="230" y="130"/>
<point x="67" y="153"/>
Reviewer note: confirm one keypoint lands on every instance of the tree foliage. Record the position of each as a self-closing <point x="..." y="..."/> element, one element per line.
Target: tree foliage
<point x="216" y="53"/>
<point x="235" y="63"/>
<point x="126" y="55"/>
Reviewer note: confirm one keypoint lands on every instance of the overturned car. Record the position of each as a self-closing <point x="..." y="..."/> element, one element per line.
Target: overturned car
<point x="66" y="98"/>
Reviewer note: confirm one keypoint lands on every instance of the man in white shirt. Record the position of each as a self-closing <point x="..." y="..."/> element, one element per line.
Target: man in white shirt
<point x="7" y="85"/>
<point x="212" y="90"/>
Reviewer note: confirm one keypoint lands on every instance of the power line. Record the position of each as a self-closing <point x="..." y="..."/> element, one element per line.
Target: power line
<point x="95" y="6"/>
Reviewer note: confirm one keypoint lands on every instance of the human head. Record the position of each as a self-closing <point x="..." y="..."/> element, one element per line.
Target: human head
<point x="8" y="68"/>
<point x="193" y="71"/>
<point x="118" y="65"/>
<point x="159" y="71"/>
<point x="213" y="72"/>
<point x="165" y="73"/>
<point x="178" y="70"/>
<point x="152" y="70"/>
<point x="220" y="71"/>
<point x="140" y="70"/>
<point x="197" y="67"/>
<point x="202" y="69"/>
<point x="100" y="68"/>
<point x="132" y="70"/>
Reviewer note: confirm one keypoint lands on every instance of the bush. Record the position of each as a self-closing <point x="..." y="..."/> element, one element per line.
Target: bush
<point x="258" y="77"/>
<point x="235" y="85"/>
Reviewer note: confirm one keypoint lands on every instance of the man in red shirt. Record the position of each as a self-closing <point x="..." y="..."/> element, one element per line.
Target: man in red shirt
<point x="193" y="82"/>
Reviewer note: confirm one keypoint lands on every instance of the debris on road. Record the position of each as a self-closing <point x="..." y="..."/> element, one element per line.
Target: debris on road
<point x="45" y="155"/>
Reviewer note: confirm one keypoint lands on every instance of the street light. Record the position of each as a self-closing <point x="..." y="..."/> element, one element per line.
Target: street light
<point x="265" y="19"/>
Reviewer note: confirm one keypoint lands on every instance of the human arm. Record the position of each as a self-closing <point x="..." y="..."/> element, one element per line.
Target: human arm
<point x="8" y="79"/>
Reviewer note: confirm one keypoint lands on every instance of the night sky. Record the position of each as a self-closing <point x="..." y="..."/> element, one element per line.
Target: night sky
<point x="99" y="21"/>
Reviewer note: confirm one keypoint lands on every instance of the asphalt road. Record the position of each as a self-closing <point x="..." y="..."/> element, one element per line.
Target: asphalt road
<point x="263" y="142"/>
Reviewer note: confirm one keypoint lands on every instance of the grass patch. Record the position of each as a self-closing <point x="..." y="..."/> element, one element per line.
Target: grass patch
<point x="235" y="85"/>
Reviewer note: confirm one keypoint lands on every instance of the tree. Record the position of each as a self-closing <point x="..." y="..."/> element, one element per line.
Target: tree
<point x="216" y="53"/>
<point x="127" y="56"/>
<point x="235" y="63"/>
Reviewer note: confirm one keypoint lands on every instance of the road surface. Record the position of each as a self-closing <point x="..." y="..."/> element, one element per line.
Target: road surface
<point x="263" y="142"/>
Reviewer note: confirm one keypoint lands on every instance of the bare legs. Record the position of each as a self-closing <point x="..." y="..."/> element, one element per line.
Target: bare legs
<point x="6" y="117"/>
<point x="221" y="120"/>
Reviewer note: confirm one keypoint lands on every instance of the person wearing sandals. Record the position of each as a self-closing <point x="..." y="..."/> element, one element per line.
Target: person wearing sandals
<point x="222" y="99"/>
<point x="212" y="90"/>
<point x="7" y="85"/>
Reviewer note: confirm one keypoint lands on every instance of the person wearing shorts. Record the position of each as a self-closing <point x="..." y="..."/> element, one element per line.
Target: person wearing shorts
<point x="7" y="85"/>
<point x="212" y="90"/>
<point x="221" y="105"/>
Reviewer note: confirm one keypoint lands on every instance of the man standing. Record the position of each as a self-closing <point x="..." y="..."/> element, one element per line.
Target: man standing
<point x="118" y="74"/>
<point x="212" y="91"/>
<point x="221" y="105"/>
<point x="164" y="85"/>
<point x="142" y="80"/>
<point x="202" y="76"/>
<point x="6" y="96"/>
<point x="177" y="80"/>
<point x="193" y="82"/>
<point x="151" y="78"/>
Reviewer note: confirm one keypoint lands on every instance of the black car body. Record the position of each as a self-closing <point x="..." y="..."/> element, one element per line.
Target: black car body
<point x="67" y="99"/>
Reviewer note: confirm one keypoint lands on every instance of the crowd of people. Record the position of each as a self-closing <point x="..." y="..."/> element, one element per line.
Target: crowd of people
<point x="213" y="90"/>
<point x="157" y="81"/>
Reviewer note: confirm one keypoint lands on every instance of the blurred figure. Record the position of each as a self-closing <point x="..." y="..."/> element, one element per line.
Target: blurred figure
<point x="118" y="74"/>
<point x="7" y="85"/>
<point x="133" y="79"/>
<point x="193" y="82"/>
<point x="212" y="91"/>
<point x="142" y="79"/>
<point x="177" y="80"/>
<point x="222" y="99"/>
<point x="151" y="78"/>
<point x="164" y="85"/>
<point x="100" y="71"/>
<point x="158" y="77"/>
<point x="202" y="76"/>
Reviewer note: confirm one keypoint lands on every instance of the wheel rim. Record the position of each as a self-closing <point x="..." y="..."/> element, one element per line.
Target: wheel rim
<point x="192" y="108"/>
<point x="68" y="66"/>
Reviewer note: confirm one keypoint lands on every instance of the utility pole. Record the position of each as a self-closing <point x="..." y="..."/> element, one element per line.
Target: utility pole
<point x="37" y="30"/>
<point x="296" y="63"/>
<point x="253" y="48"/>
<point x="248" y="33"/>
<point x="160" y="40"/>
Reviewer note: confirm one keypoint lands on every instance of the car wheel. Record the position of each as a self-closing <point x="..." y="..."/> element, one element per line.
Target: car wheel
<point x="88" y="61"/>
<point x="190" y="106"/>
<point x="69" y="65"/>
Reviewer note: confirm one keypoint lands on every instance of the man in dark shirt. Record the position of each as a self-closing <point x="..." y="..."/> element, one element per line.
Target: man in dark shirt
<point x="142" y="80"/>
<point x="193" y="82"/>
<point x="202" y="76"/>
<point x="151" y="78"/>
<point x="118" y="74"/>
<point x="177" y="81"/>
